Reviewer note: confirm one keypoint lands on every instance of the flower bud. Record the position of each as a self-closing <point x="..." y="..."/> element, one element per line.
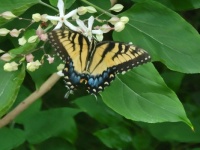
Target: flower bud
<point x="36" y="17"/>
<point x="39" y="31"/>
<point x="1" y="51"/>
<point x="105" y="28"/>
<point x="124" y="19"/>
<point x="43" y="37"/>
<point x="99" y="37"/>
<point x="117" y="7"/>
<point x="114" y="20"/>
<point x="4" y="31"/>
<point x="50" y="59"/>
<point x="32" y="66"/>
<point x="13" y="66"/>
<point x="91" y="9"/>
<point x="54" y="22"/>
<point x="15" y="33"/>
<point x="81" y="10"/>
<point x="60" y="67"/>
<point x="74" y="17"/>
<point x="119" y="26"/>
<point x="8" y="15"/>
<point x="43" y="18"/>
<point x="6" y="57"/>
<point x="60" y="73"/>
<point x="22" y="41"/>
<point x="32" y="39"/>
<point x="29" y="58"/>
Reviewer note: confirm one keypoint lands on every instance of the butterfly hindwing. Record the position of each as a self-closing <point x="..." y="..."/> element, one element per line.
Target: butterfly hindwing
<point x="110" y="58"/>
<point x="73" y="48"/>
<point x="94" y="63"/>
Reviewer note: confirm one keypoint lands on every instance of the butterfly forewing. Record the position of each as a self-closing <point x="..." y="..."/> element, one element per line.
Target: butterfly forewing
<point x="94" y="63"/>
<point x="73" y="45"/>
<point x="117" y="55"/>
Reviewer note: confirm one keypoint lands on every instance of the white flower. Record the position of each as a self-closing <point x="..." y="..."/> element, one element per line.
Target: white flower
<point x="117" y="7"/>
<point x="8" y="15"/>
<point x="36" y="17"/>
<point x="32" y="66"/>
<point x="87" y="31"/>
<point x="63" y="18"/>
<point x="4" y="31"/>
<point x="22" y="41"/>
<point x="13" y="66"/>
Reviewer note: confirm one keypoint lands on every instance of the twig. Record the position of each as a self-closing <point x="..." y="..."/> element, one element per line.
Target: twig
<point x="45" y="87"/>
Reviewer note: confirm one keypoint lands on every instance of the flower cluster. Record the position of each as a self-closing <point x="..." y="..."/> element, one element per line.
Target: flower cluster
<point x="72" y="20"/>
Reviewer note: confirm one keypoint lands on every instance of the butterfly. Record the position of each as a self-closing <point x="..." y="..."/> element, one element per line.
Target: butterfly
<point x="94" y="63"/>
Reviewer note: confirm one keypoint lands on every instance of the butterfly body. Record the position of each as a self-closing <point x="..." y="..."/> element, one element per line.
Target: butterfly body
<point x="94" y="63"/>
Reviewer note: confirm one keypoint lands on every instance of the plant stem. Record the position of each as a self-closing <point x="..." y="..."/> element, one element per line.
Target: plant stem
<point x="98" y="8"/>
<point x="45" y="4"/>
<point x="45" y="87"/>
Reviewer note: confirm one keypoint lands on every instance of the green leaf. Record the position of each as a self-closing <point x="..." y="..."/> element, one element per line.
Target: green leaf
<point x="180" y="5"/>
<point x="58" y="143"/>
<point x="51" y="123"/>
<point x="164" y="34"/>
<point x="142" y="95"/>
<point x="17" y="7"/>
<point x="26" y="48"/>
<point x="11" y="138"/>
<point x="98" y="110"/>
<point x="67" y="3"/>
<point x="114" y="137"/>
<point x="9" y="87"/>
<point x="40" y="75"/>
<point x="174" y="132"/>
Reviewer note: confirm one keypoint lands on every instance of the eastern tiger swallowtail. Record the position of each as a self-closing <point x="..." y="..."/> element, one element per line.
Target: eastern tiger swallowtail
<point x="94" y="63"/>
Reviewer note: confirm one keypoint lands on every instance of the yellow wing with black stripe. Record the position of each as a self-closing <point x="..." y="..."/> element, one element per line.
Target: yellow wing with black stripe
<point x="94" y="63"/>
<point x="71" y="45"/>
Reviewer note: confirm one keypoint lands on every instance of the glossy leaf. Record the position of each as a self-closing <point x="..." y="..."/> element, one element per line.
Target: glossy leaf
<point x="11" y="138"/>
<point x="9" y="87"/>
<point x="178" y="5"/>
<point x="54" y="122"/>
<point x="114" y="137"/>
<point x="178" y="132"/>
<point x="98" y="110"/>
<point x="181" y="5"/>
<point x="27" y="48"/>
<point x="142" y="95"/>
<point x="68" y="3"/>
<point x="164" y="34"/>
<point x="17" y="7"/>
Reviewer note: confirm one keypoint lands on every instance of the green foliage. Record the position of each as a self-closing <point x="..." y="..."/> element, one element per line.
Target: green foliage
<point x="140" y="110"/>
